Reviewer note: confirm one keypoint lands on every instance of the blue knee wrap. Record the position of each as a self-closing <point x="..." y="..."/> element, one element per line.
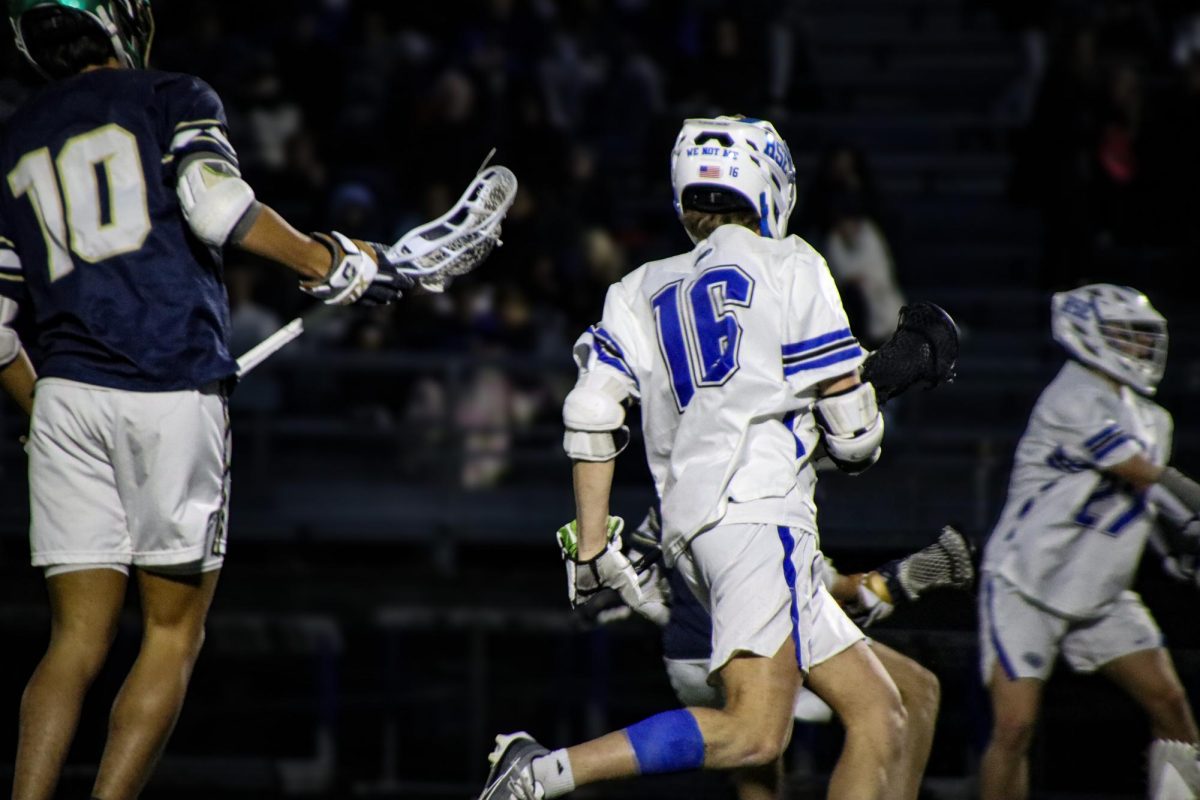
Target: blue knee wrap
<point x="667" y="742"/>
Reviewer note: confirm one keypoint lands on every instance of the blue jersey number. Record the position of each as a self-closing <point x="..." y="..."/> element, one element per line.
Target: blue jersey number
<point x="1108" y="496"/>
<point x="699" y="333"/>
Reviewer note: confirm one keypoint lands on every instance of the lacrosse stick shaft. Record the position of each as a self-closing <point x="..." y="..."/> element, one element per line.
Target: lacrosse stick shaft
<point x="269" y="346"/>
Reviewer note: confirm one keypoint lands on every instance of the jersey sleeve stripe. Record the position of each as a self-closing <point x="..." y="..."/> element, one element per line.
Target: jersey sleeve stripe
<point x="12" y="276"/>
<point x="199" y="123"/>
<point x="9" y="260"/>
<point x="1113" y="445"/>
<point x="5" y="241"/>
<point x="843" y="355"/>
<point x="1103" y="443"/>
<point x="1099" y="437"/>
<point x="809" y="344"/>
<point x="798" y="358"/>
<point x="609" y="352"/>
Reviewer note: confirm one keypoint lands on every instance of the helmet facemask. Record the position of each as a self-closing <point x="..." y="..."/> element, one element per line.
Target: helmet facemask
<point x="1113" y="329"/>
<point x="1140" y="345"/>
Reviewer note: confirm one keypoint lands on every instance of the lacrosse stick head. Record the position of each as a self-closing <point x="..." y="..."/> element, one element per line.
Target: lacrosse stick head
<point x="923" y="349"/>
<point x="461" y="239"/>
<point x="949" y="562"/>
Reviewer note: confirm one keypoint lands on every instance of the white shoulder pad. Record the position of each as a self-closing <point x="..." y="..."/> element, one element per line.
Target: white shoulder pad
<point x="214" y="198"/>
<point x="853" y="427"/>
<point x="594" y="416"/>
<point x="10" y="345"/>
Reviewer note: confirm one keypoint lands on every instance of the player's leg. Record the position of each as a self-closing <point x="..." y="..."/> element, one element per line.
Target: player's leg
<point x="84" y="609"/>
<point x="1004" y="770"/>
<point x="170" y="457"/>
<point x="174" y="608"/>
<point x="747" y="575"/>
<point x="1150" y="678"/>
<point x="1126" y="647"/>
<point x="78" y="533"/>
<point x="920" y="693"/>
<point x="751" y="730"/>
<point x="1010" y="625"/>
<point x="867" y="702"/>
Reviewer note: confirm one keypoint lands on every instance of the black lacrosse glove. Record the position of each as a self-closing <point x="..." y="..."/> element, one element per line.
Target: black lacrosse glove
<point x="923" y="349"/>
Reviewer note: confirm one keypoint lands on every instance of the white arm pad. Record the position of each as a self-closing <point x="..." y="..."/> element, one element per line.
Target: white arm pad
<point x="853" y="426"/>
<point x="10" y="345"/>
<point x="214" y="198"/>
<point x="594" y="415"/>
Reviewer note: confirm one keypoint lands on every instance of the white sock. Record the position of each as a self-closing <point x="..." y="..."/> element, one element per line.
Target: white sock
<point x="553" y="772"/>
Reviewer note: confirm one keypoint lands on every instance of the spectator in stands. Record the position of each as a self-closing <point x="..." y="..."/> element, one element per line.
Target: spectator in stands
<point x="861" y="263"/>
<point x="841" y="168"/>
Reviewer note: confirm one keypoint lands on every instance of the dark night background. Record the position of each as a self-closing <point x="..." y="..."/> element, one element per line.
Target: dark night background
<point x="393" y="596"/>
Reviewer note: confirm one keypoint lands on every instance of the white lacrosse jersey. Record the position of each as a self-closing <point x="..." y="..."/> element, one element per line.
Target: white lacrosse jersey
<point x="725" y="346"/>
<point x="1070" y="536"/>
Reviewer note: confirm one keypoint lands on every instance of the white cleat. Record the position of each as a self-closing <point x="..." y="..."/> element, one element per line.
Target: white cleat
<point x="511" y="776"/>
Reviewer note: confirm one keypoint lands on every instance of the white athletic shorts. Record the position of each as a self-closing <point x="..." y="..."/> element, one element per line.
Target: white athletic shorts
<point x="1026" y="639"/>
<point x="761" y="584"/>
<point x="121" y="478"/>
<point x="689" y="679"/>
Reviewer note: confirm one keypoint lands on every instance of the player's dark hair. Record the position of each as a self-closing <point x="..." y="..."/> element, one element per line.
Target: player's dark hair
<point x="63" y="42"/>
<point x="701" y="224"/>
<point x="706" y="208"/>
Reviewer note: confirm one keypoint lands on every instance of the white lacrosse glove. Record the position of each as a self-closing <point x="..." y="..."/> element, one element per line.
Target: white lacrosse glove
<point x="867" y="608"/>
<point x="609" y="569"/>
<point x="354" y="276"/>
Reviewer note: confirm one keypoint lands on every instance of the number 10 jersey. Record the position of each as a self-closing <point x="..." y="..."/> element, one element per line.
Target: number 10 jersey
<point x="92" y="236"/>
<point x="725" y="346"/>
<point x="1070" y="536"/>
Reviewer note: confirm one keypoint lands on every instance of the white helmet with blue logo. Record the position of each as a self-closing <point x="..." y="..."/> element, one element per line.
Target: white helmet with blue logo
<point x="1114" y="329"/>
<point x="732" y="163"/>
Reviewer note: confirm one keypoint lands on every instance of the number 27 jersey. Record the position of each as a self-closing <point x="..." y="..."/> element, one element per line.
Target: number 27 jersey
<point x="1069" y="536"/>
<point x="725" y="346"/>
<point x="92" y="236"/>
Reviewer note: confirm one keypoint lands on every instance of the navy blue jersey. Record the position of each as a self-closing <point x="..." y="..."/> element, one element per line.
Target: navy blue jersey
<point x="93" y="238"/>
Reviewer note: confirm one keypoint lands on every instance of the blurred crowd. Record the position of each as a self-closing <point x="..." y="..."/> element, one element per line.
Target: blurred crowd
<point x="370" y="116"/>
<point x="1110" y="108"/>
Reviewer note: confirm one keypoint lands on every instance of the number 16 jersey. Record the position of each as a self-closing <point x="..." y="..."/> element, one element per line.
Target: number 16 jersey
<point x="93" y="238"/>
<point x="725" y="347"/>
<point x="1070" y="536"/>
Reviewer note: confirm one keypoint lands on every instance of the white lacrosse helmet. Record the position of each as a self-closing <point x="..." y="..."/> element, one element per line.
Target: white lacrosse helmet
<point x="1114" y="329"/>
<point x="732" y="163"/>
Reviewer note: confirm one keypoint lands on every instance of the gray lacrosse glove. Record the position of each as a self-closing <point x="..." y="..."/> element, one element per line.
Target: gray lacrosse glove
<point x="867" y="608"/>
<point x="1179" y="546"/>
<point x="356" y="277"/>
<point x="610" y="569"/>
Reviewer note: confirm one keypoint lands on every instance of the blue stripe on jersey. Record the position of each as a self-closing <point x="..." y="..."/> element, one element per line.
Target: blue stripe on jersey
<point x="789" y="419"/>
<point x="789" y="574"/>
<point x="609" y="352"/>
<point x="1062" y="462"/>
<point x="1005" y="662"/>
<point x="810" y="344"/>
<point x="1113" y="445"/>
<point x="1104" y="434"/>
<point x="843" y="355"/>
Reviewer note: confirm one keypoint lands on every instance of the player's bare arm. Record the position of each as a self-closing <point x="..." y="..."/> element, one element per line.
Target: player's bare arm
<point x="18" y="379"/>
<point x="16" y="372"/>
